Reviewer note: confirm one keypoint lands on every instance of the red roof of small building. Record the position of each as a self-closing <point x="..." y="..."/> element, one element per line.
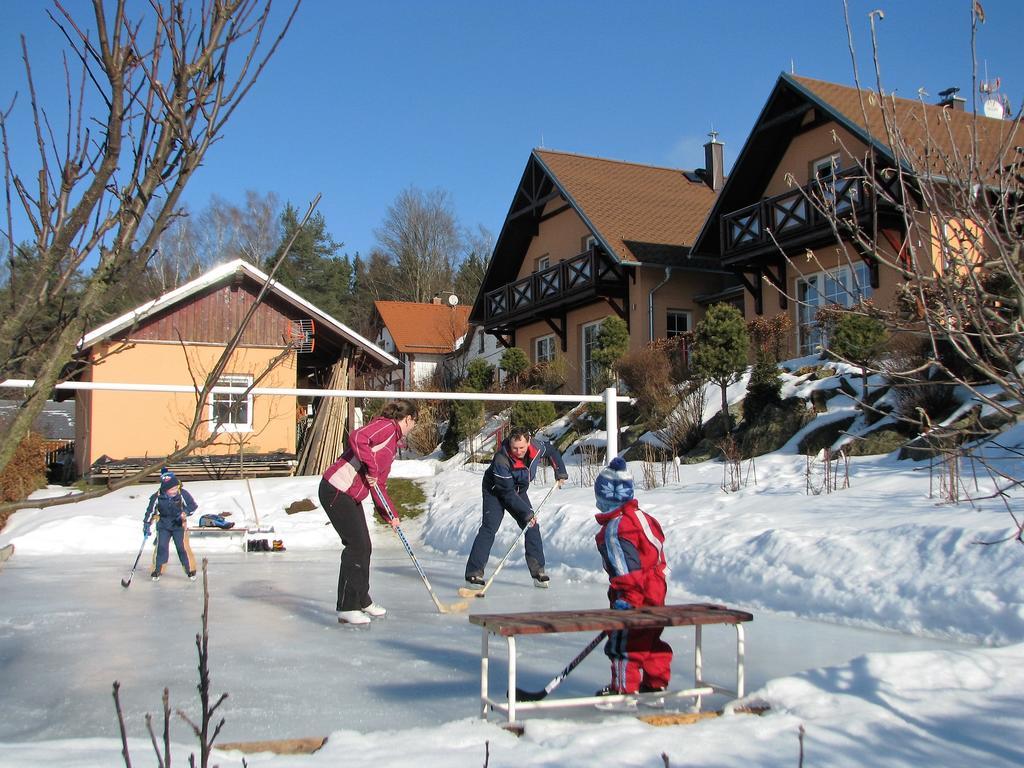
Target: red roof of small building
<point x="424" y="328"/>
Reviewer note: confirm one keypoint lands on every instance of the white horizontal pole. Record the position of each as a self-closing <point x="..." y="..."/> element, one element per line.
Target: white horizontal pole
<point x="385" y="395"/>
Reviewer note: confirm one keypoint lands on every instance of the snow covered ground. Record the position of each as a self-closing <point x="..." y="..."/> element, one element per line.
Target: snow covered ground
<point x="883" y="563"/>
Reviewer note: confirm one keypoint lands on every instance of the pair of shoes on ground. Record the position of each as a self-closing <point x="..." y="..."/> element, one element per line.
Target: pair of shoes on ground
<point x="363" y="616"/>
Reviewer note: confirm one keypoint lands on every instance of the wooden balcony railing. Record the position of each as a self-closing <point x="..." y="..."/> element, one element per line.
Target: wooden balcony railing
<point x="793" y="214"/>
<point x="550" y="286"/>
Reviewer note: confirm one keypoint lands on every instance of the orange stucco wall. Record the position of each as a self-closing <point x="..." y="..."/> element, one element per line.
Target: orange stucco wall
<point x="804" y="149"/>
<point x="134" y="424"/>
<point x="561" y="237"/>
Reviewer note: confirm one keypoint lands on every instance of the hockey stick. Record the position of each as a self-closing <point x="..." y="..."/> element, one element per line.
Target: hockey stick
<point x="522" y="695"/>
<point x="127" y="582"/>
<point x="467" y="592"/>
<point x="442" y="607"/>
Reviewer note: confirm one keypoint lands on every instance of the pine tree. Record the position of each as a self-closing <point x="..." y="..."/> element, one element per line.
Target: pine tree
<point x="311" y="268"/>
<point x="514" y="362"/>
<point x="720" y="350"/>
<point x="612" y="344"/>
<point x="856" y="339"/>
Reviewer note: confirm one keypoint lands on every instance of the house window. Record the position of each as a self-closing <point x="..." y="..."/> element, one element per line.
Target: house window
<point x="543" y="263"/>
<point x="589" y="242"/>
<point x="231" y="411"/>
<point x="587" y="365"/>
<point x="825" y="169"/>
<point x="676" y="323"/>
<point x="544" y="349"/>
<point x="480" y="345"/>
<point x="843" y="287"/>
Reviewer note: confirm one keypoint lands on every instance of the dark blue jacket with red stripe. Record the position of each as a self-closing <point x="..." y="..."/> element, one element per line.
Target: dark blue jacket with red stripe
<point x="508" y="478"/>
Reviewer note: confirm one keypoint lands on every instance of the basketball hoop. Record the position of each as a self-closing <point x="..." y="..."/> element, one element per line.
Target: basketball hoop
<point x="299" y="334"/>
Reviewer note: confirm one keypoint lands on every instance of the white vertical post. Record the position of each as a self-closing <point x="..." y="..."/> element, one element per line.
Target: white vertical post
<point x="611" y="422"/>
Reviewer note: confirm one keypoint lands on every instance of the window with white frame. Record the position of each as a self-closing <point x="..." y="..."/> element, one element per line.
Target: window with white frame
<point x="543" y="263"/>
<point x="677" y="323"/>
<point x="825" y="169"/>
<point x="231" y="411"/>
<point x="844" y="287"/>
<point x="544" y="349"/>
<point x="589" y="242"/>
<point x="480" y="346"/>
<point x="588" y="367"/>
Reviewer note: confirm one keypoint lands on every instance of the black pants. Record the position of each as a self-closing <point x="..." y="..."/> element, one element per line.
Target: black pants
<point x="346" y="515"/>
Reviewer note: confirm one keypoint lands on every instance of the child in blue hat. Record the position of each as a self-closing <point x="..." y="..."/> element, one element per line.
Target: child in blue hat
<point x="169" y="507"/>
<point x="631" y="543"/>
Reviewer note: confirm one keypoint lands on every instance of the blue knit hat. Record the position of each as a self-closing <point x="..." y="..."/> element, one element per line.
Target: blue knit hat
<point x="167" y="480"/>
<point x="614" y="486"/>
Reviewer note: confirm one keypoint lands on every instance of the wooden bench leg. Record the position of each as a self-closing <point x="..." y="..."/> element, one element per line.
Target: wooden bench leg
<point x="740" y="652"/>
<point x="511" y="679"/>
<point x="698" y="662"/>
<point x="484" y="672"/>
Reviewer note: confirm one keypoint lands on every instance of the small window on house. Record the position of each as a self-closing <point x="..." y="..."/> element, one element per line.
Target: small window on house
<point x="825" y="169"/>
<point x="231" y="411"/>
<point x="677" y="323"/>
<point x="589" y="242"/>
<point x="544" y="349"/>
<point x="543" y="263"/>
<point x="480" y="344"/>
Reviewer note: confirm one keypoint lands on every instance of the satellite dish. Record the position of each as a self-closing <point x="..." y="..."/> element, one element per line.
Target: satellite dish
<point x="452" y="299"/>
<point x="993" y="108"/>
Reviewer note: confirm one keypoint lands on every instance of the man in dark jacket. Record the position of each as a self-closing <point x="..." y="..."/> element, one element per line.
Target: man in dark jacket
<point x="506" y="482"/>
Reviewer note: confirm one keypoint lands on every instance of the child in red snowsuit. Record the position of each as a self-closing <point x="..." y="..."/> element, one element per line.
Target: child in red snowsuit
<point x="631" y="546"/>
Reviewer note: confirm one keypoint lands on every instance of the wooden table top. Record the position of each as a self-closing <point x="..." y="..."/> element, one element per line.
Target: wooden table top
<point x="651" y="617"/>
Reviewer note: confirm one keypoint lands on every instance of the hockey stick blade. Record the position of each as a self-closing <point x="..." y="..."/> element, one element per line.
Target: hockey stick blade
<point x="522" y="695"/>
<point x="458" y="607"/>
<point x="126" y="583"/>
<point x="468" y="592"/>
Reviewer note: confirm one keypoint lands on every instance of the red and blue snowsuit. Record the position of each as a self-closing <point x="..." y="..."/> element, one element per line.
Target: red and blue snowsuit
<point x="371" y="451"/>
<point x="505" y="484"/>
<point x="631" y="545"/>
<point x="170" y="513"/>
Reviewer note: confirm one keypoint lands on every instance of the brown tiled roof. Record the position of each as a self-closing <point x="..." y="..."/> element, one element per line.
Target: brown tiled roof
<point x="632" y="202"/>
<point x="424" y="328"/>
<point x="922" y="126"/>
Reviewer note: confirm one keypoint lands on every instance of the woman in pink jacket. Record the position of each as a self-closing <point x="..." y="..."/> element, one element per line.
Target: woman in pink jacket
<point x="363" y="471"/>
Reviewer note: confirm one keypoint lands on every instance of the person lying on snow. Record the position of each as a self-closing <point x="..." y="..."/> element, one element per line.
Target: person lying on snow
<point x="169" y="507"/>
<point x="631" y="545"/>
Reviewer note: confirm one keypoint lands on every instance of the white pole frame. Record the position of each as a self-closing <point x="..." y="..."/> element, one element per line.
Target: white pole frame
<point x="609" y="397"/>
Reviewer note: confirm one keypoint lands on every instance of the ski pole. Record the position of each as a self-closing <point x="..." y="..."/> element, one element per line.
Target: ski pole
<point x="442" y="607"/>
<point x="127" y="582"/>
<point x="467" y="592"/>
<point x="522" y="695"/>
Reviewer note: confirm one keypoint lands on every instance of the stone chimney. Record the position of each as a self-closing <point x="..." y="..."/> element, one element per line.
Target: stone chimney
<point x="714" y="162"/>
<point x="951" y="98"/>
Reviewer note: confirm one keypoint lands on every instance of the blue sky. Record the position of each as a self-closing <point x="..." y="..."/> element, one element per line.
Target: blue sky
<point x="367" y="99"/>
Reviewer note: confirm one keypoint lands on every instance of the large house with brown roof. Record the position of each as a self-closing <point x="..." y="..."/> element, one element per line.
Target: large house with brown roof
<point x="847" y="150"/>
<point x="176" y="340"/>
<point x="587" y="238"/>
<point x="420" y="335"/>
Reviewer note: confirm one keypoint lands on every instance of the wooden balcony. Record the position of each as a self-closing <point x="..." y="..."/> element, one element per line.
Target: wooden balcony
<point x="570" y="282"/>
<point x="791" y="220"/>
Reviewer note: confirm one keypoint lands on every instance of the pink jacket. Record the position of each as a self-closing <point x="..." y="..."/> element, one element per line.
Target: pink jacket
<point x="371" y="451"/>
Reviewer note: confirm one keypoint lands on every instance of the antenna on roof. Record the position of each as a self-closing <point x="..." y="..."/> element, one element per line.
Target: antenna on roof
<point x="792" y="67"/>
<point x="542" y="139"/>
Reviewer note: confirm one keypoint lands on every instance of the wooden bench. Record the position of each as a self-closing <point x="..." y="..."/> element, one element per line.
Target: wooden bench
<point x="214" y="532"/>
<point x="511" y="625"/>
